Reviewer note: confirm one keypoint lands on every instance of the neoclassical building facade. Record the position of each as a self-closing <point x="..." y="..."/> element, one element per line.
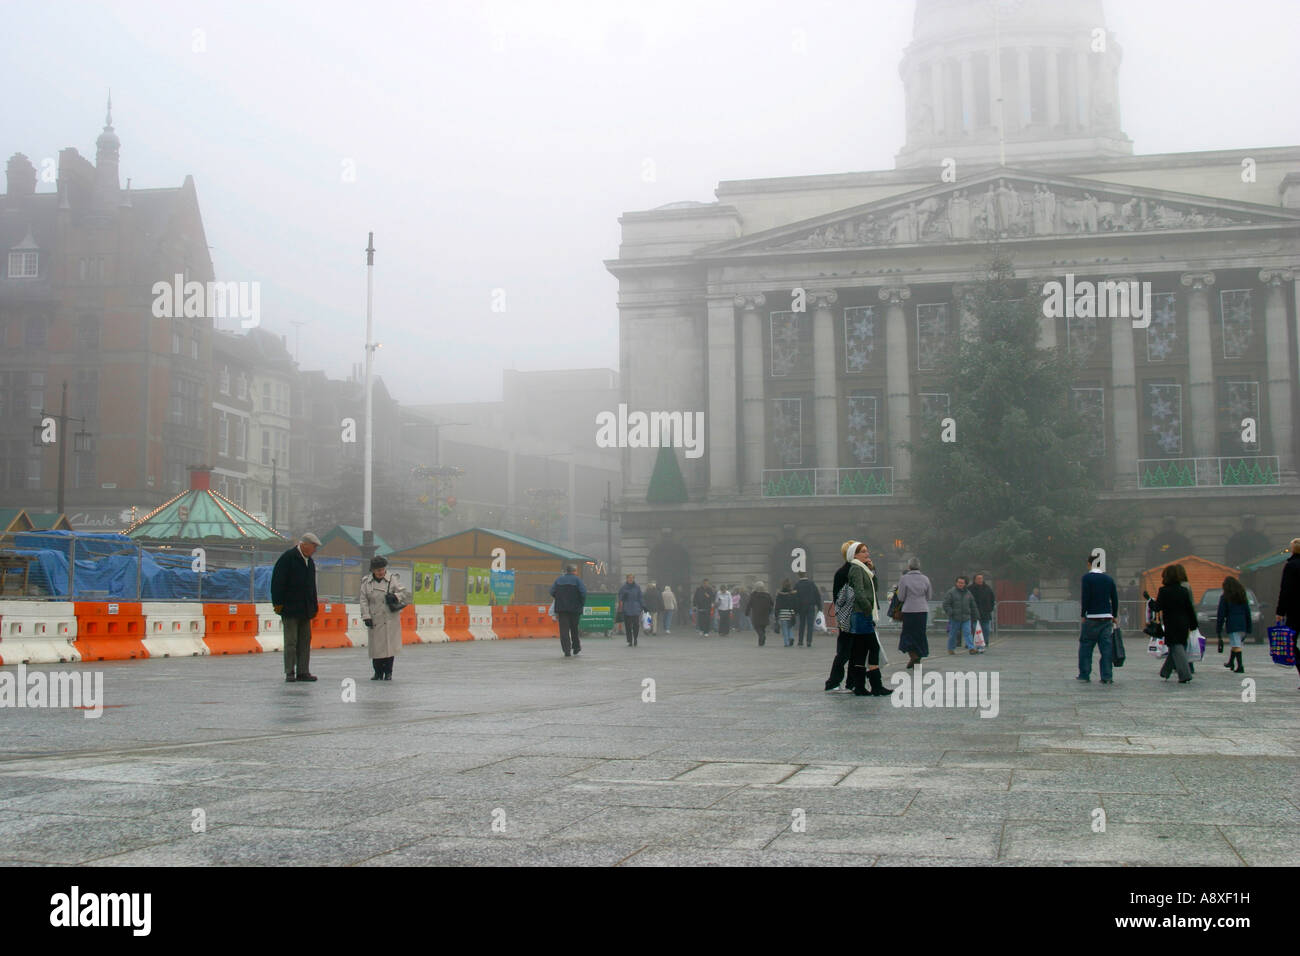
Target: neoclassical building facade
<point x="806" y="316"/>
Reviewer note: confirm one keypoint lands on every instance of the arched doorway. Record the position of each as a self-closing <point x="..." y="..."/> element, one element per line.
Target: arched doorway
<point x="670" y="564"/>
<point x="1165" y="547"/>
<point x="1244" y="545"/>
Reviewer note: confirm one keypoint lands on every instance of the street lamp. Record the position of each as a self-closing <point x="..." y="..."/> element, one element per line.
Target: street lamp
<point x="80" y="440"/>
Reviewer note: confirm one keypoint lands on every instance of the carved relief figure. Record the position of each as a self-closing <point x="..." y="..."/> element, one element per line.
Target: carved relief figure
<point x="959" y="216"/>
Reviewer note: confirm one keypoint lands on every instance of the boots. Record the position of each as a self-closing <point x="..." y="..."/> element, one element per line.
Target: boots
<point x="1232" y="660"/>
<point x="858" y="680"/>
<point x="877" y="686"/>
<point x="1240" y="669"/>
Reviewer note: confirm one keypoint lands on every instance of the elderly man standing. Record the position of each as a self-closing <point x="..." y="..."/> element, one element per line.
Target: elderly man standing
<point x="293" y="593"/>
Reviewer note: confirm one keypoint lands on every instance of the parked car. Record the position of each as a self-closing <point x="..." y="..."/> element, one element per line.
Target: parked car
<point x="1208" y="610"/>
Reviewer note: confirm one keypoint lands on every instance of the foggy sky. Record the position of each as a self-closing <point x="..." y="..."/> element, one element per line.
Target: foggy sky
<point x="496" y="144"/>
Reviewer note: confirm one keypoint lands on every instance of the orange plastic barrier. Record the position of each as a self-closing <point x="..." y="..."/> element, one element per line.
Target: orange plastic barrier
<point x="409" y="634"/>
<point x="329" y="628"/>
<point x="231" y="628"/>
<point x="456" y="622"/>
<point x="505" y="621"/>
<point x="535" y="622"/>
<point x="110" y="631"/>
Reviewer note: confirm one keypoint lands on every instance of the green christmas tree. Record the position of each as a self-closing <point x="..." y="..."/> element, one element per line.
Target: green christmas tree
<point x="667" y="486"/>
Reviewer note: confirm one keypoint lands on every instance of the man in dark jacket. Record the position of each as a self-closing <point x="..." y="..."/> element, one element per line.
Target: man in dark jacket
<point x="1288" y="597"/>
<point x="984" y="602"/>
<point x="1099" y="608"/>
<point x="654" y="604"/>
<point x="843" y="640"/>
<point x="630" y="607"/>
<point x="808" y="599"/>
<point x="293" y="594"/>
<point x="703" y="603"/>
<point x="959" y="605"/>
<point x="570" y="596"/>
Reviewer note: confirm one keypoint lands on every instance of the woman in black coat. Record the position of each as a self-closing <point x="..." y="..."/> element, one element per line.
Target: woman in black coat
<point x="760" y="609"/>
<point x="1178" y="617"/>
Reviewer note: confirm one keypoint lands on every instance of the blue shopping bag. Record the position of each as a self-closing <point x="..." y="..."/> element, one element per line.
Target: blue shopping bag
<point x="1281" y="645"/>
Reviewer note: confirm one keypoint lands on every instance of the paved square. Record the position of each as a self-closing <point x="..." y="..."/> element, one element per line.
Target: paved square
<point x="504" y="753"/>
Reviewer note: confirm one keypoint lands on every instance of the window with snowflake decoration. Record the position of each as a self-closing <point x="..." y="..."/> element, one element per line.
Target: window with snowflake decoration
<point x="1162" y="333"/>
<point x="787" y="431"/>
<point x="1081" y="336"/>
<point x="934" y="407"/>
<point x="932" y="335"/>
<point x="1234" y="306"/>
<point x="1090" y="405"/>
<point x="861" y="431"/>
<point x="859" y="338"/>
<point x="1238" y="401"/>
<point x="791" y="343"/>
<point x="1164" y="411"/>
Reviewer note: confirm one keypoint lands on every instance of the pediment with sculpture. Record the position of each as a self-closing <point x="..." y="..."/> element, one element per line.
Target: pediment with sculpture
<point x="1010" y="207"/>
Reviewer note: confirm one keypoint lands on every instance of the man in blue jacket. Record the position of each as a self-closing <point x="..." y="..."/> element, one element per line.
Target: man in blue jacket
<point x="570" y="598"/>
<point x="1099" y="609"/>
<point x="630" y="606"/>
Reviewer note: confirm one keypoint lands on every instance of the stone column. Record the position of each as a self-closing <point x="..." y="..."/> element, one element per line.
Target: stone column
<point x="1124" y="404"/>
<point x="937" y="91"/>
<point x="995" y="92"/>
<point x="1022" y="76"/>
<point x="1200" y="362"/>
<point x="753" y="420"/>
<point x="898" y="386"/>
<point x="1053" y="71"/>
<point x="1082" y="108"/>
<point x="826" y="401"/>
<point x="721" y="370"/>
<point x="1281" y="399"/>
<point x="967" y="95"/>
<point x="1046" y="324"/>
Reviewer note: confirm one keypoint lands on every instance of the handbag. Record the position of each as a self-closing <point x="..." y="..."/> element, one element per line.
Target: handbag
<point x="895" y="606"/>
<point x="844" y="608"/>
<point x="1117" y="656"/>
<point x="1154" y="630"/>
<point x="1157" y="647"/>
<point x="1281" y="645"/>
<point x="1195" y="645"/>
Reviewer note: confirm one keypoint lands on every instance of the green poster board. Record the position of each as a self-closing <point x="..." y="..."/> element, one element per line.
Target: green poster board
<point x="478" y="586"/>
<point x="598" y="613"/>
<point x="503" y="587"/>
<point x="427" y="586"/>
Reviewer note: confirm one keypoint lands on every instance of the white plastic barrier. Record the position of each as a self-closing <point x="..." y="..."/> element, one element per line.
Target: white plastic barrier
<point x="480" y="623"/>
<point x="173" y="629"/>
<point x="37" y="632"/>
<point x="270" y="629"/>
<point x="429" y="624"/>
<point x="358" y="633"/>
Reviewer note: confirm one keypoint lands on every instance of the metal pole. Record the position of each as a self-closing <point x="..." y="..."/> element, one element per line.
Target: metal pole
<point x="252" y="567"/>
<point x="63" y="444"/>
<point x="609" y="524"/>
<point x="273" y="486"/>
<point x="367" y="527"/>
<point x="72" y="567"/>
<point x="139" y="571"/>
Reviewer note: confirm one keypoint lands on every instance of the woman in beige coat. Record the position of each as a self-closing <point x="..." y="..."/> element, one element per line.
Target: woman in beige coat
<point x="385" y="625"/>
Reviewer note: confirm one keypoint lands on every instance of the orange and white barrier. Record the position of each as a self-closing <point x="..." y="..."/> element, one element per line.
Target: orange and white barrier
<point x="231" y="628"/>
<point x="429" y="624"/>
<point x="37" y="632"/>
<point x="480" y="623"/>
<point x="270" y="629"/>
<point x="358" y="633"/>
<point x="174" y="629"/>
<point x="329" y="628"/>
<point x="110" y="630"/>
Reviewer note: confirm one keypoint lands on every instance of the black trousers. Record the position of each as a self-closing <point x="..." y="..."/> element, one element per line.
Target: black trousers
<point x="569" y="630"/>
<point x="383" y="665"/>
<point x="632" y="627"/>
<point x="843" y="646"/>
<point x="865" y="649"/>
<point x="724" y="622"/>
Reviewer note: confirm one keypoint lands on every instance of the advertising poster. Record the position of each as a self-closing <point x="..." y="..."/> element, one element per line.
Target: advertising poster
<point x="427" y="586"/>
<point x="477" y="586"/>
<point x="503" y="587"/>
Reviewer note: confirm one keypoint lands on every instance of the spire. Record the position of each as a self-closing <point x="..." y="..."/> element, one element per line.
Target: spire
<point x="108" y="119"/>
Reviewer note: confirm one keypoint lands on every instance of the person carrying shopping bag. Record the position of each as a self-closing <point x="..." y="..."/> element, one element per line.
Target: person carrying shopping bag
<point x="382" y="599"/>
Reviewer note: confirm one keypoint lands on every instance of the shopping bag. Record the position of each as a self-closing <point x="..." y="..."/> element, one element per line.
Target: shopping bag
<point x="1195" y="646"/>
<point x="1157" y="647"/>
<point x="979" y="635"/>
<point x="819" y="623"/>
<point x="1117" y="648"/>
<point x="551" y="611"/>
<point x="1281" y="645"/>
<point x="895" y="606"/>
<point x="647" y="622"/>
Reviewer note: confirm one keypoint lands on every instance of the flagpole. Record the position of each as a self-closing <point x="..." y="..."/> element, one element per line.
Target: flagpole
<point x="367" y="526"/>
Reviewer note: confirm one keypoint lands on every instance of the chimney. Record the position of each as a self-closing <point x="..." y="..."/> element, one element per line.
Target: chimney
<point x="200" y="477"/>
<point x="20" y="176"/>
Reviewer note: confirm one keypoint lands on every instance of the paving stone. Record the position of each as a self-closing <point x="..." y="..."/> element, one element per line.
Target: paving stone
<point x="1166" y="844"/>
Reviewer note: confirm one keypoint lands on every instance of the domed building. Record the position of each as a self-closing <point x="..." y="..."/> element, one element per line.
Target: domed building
<point x="1013" y="136"/>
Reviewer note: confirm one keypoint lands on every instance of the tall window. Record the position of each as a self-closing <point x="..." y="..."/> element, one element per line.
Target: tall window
<point x="1239" y="420"/>
<point x="36" y="393"/>
<point x="266" y="396"/>
<point x="266" y="446"/>
<point x="1163" y="404"/>
<point x="223" y="434"/>
<point x="223" y="380"/>
<point x="791" y="343"/>
<point x="787" y="431"/>
<point x="862" y="409"/>
<point x="1091" y="407"/>
<point x="1162" y="333"/>
<point x="859" y="338"/>
<point x="932" y="335"/>
<point x="35" y="330"/>
<point x="1235" y="308"/>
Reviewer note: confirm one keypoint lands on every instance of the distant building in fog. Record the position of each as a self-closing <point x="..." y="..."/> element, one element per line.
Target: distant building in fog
<point x="76" y="277"/>
<point x="807" y="411"/>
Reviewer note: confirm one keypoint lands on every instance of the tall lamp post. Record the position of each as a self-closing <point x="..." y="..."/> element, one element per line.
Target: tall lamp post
<point x="79" y="440"/>
<point x="367" y="523"/>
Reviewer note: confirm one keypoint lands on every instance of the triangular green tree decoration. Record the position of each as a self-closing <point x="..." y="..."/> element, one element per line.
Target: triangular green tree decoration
<point x="667" y="486"/>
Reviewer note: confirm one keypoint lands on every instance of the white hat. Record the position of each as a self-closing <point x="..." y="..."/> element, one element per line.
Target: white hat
<point x="851" y="550"/>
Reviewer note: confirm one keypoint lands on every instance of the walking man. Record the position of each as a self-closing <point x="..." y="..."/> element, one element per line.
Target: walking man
<point x="808" y="599"/>
<point x="959" y="605"/>
<point x="631" y="605"/>
<point x="293" y="595"/>
<point x="1099" y="608"/>
<point x="984" y="603"/>
<point x="570" y="596"/>
<point x="703" y="602"/>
